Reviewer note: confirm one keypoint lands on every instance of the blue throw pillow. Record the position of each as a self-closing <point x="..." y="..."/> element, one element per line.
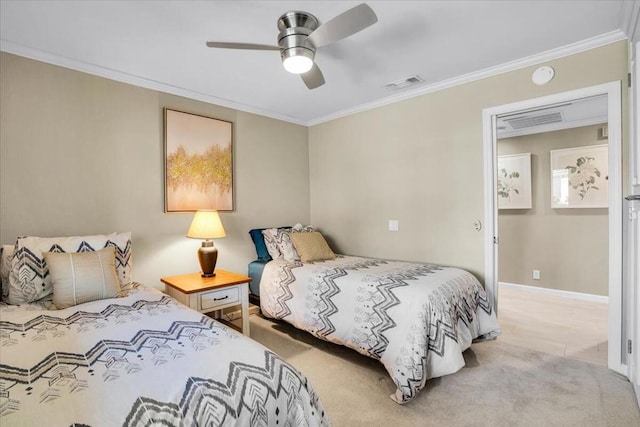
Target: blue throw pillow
<point x="258" y="241"/>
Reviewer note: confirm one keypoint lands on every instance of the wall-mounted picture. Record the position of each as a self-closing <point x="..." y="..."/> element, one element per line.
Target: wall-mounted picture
<point x="580" y="177"/>
<point x="514" y="181"/>
<point x="198" y="162"/>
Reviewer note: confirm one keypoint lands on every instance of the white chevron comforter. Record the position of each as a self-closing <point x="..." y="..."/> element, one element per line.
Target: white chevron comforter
<point x="417" y="319"/>
<point x="143" y="359"/>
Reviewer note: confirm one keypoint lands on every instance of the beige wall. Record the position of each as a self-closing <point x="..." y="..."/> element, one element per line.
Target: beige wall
<point x="570" y="247"/>
<point x="81" y="154"/>
<point x="420" y="161"/>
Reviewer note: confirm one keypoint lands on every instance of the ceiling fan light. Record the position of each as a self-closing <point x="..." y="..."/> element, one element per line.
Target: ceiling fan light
<point x="297" y="64"/>
<point x="297" y="60"/>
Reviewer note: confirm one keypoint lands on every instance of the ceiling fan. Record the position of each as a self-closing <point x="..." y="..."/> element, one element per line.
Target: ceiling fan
<point x="301" y="34"/>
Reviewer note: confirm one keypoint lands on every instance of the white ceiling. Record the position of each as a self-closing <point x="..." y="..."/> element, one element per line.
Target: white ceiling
<point x="161" y="45"/>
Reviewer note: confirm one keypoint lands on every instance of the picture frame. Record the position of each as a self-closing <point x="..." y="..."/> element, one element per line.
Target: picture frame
<point x="198" y="162"/>
<point x="579" y="177"/>
<point x="514" y="181"/>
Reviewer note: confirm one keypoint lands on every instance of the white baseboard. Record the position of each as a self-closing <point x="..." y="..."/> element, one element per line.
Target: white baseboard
<point x="557" y="292"/>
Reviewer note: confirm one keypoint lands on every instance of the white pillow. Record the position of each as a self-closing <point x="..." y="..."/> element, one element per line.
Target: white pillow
<point x="299" y="228"/>
<point x="29" y="279"/>
<point x="279" y="244"/>
<point x="272" y="237"/>
<point x="80" y="277"/>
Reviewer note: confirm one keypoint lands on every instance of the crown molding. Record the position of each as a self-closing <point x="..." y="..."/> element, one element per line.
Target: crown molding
<point x="97" y="70"/>
<point x="571" y="49"/>
<point x="560" y="52"/>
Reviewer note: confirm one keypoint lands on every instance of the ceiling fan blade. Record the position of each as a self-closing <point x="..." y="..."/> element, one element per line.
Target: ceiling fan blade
<point x="343" y="25"/>
<point x="313" y="78"/>
<point x="252" y="46"/>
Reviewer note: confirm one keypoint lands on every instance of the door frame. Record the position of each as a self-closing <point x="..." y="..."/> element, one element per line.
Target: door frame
<point x="633" y="236"/>
<point x="616" y="355"/>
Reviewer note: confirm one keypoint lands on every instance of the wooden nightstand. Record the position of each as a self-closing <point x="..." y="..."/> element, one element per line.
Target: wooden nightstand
<point x="207" y="294"/>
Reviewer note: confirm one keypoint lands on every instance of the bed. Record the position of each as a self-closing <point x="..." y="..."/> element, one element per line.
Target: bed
<point x="415" y="318"/>
<point x="140" y="358"/>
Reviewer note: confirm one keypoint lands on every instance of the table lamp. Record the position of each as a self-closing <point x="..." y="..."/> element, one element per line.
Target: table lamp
<point x="207" y="225"/>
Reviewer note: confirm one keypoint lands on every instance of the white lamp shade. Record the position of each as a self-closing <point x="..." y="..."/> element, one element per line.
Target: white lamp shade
<point x="206" y="225"/>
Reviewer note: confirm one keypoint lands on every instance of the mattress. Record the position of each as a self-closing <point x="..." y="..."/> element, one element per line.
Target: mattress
<point x="417" y="319"/>
<point x="143" y="359"/>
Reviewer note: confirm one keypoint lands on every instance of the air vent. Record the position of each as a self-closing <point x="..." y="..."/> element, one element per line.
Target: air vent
<point x="531" y="121"/>
<point x="404" y="83"/>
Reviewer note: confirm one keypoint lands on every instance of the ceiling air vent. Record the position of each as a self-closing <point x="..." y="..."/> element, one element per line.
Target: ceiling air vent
<point x="523" y="122"/>
<point x="404" y="83"/>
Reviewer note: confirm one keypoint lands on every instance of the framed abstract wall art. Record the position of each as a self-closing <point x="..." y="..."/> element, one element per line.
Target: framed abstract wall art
<point x="198" y="162"/>
<point x="514" y="181"/>
<point x="580" y="177"/>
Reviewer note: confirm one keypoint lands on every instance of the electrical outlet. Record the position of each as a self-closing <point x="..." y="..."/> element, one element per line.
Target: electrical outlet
<point x="536" y="274"/>
<point x="393" y="225"/>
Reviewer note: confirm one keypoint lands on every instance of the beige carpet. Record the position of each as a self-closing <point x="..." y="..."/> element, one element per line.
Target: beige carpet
<point x="501" y="385"/>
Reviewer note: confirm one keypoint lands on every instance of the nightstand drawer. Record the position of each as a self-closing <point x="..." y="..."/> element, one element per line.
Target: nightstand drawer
<point x="212" y="299"/>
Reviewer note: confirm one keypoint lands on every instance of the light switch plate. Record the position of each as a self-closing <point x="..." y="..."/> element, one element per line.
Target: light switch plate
<point x="393" y="225"/>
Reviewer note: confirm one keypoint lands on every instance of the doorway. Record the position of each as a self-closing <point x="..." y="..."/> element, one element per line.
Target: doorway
<point x="553" y="250"/>
<point x="612" y="91"/>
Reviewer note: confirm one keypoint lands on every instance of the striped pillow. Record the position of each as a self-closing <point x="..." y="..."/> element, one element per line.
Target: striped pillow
<point x="81" y="277"/>
<point x="312" y="246"/>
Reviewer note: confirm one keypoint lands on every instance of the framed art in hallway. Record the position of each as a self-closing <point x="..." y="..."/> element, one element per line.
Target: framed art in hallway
<point x="579" y="177"/>
<point x="198" y="162"/>
<point x="514" y="181"/>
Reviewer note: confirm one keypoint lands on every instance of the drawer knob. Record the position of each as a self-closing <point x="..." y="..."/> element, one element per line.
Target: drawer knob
<point x="224" y="297"/>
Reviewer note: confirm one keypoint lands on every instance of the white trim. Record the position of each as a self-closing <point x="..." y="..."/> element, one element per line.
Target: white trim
<point x="616" y="354"/>
<point x="556" y="292"/>
<point x="109" y="73"/>
<point x="560" y="52"/>
<point x="633" y="230"/>
<point x="634" y="119"/>
<point x="490" y="207"/>
<point x="617" y="357"/>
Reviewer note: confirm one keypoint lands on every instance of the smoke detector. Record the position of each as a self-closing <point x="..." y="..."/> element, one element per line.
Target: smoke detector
<point x="543" y="75"/>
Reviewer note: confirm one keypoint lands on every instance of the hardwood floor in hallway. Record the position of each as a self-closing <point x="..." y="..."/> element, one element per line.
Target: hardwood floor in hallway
<point x="563" y="326"/>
